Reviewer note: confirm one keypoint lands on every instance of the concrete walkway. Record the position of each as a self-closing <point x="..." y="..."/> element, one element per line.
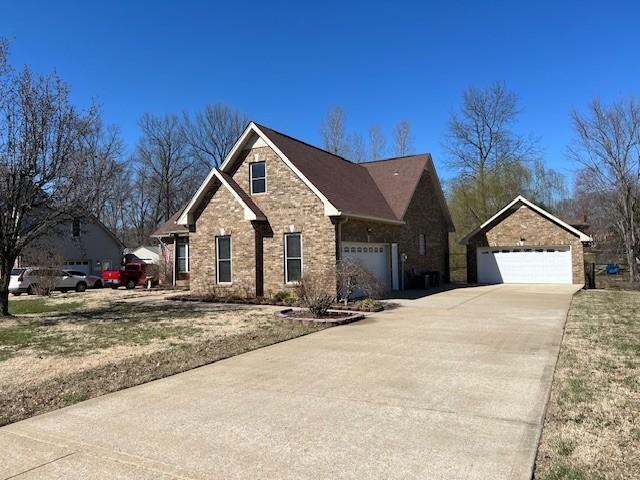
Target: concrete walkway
<point x="450" y="386"/>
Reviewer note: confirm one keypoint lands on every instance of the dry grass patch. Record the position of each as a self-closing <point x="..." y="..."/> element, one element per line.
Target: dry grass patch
<point x="592" y="427"/>
<point x="50" y="360"/>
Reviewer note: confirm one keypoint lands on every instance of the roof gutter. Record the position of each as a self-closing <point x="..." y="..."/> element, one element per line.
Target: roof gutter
<point x="371" y="218"/>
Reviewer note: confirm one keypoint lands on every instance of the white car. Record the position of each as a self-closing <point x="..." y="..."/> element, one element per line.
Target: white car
<point x="93" y="281"/>
<point x="27" y="280"/>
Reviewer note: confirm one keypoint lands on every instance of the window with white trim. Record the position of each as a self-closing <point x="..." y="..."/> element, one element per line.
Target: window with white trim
<point x="182" y="255"/>
<point x="223" y="259"/>
<point x="292" y="257"/>
<point x="258" y="177"/>
<point x="422" y="244"/>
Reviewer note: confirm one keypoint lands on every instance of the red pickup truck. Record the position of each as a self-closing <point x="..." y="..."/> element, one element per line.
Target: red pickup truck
<point x="131" y="275"/>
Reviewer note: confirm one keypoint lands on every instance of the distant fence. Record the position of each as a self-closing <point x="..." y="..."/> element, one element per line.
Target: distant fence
<point x="597" y="276"/>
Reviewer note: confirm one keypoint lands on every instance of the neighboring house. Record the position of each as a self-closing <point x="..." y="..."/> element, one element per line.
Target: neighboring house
<point x="83" y="244"/>
<point x="279" y="209"/>
<point x="174" y="247"/>
<point x="144" y="253"/>
<point x="524" y="243"/>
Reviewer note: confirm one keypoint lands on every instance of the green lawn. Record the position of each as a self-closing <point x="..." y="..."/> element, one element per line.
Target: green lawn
<point x="592" y="427"/>
<point x="40" y="305"/>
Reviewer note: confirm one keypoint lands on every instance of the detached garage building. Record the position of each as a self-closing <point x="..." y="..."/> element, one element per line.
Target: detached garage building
<point x="524" y="243"/>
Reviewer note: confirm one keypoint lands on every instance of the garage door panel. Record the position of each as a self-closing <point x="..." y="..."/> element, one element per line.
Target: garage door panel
<point x="524" y="265"/>
<point x="374" y="257"/>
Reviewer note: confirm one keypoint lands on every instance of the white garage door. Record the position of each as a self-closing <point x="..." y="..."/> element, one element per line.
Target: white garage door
<point x="524" y="265"/>
<point x="372" y="255"/>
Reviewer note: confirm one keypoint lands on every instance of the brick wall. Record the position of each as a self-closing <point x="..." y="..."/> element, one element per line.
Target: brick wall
<point x="535" y="229"/>
<point x="289" y="205"/>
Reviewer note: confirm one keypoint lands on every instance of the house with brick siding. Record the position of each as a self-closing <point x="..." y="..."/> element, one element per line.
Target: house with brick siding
<point x="524" y="243"/>
<point x="174" y="249"/>
<point x="279" y="209"/>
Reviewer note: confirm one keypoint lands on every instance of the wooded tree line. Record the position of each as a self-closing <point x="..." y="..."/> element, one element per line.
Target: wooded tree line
<point x="172" y="156"/>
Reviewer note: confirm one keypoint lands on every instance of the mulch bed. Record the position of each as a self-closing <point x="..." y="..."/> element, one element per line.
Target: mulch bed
<point x="21" y="403"/>
<point x="268" y="301"/>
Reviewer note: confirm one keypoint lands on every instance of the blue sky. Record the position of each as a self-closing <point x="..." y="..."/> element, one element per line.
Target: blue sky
<point x="286" y="63"/>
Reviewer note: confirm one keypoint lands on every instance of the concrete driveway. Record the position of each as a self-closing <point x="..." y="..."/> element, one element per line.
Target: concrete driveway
<point x="449" y="386"/>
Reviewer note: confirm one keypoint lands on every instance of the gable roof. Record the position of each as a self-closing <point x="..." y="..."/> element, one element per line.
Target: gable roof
<point x="151" y="248"/>
<point x="170" y="226"/>
<point x="517" y="202"/>
<point x="397" y="179"/>
<point x="345" y="188"/>
<point x="103" y="227"/>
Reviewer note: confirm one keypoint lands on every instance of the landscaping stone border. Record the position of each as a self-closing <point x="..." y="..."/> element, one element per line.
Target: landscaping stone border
<point x="307" y="321"/>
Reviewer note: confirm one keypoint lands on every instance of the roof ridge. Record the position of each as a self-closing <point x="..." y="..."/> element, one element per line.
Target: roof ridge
<point x="306" y="143"/>
<point x="395" y="158"/>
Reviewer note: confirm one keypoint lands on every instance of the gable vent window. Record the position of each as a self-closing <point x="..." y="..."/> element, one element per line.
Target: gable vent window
<point x="76" y="227"/>
<point x="422" y="244"/>
<point x="258" y="174"/>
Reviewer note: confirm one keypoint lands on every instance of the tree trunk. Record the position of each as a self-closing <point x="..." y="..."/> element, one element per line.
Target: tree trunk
<point x="6" y="265"/>
<point x="631" y="260"/>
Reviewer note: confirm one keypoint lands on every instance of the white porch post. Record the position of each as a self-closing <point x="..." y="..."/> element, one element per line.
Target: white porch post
<point x="174" y="273"/>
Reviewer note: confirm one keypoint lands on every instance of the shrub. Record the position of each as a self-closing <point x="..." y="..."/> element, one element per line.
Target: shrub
<point x="282" y="296"/>
<point x="354" y="277"/>
<point x="314" y="295"/>
<point x="368" y="304"/>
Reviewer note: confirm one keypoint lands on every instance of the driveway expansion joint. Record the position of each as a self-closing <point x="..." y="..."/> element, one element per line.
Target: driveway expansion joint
<point x="17" y="475"/>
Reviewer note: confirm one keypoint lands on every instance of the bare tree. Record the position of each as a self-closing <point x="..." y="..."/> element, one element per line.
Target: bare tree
<point x="607" y="144"/>
<point x="377" y="143"/>
<point x="333" y="132"/>
<point x="402" y="139"/>
<point x="139" y="208"/>
<point x="163" y="154"/>
<point x="114" y="210"/>
<point x="42" y="157"/>
<point x="356" y="148"/>
<point x="103" y="168"/>
<point x="212" y="133"/>
<point x="481" y="143"/>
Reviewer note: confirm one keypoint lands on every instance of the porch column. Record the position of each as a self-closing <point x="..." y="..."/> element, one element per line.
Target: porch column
<point x="174" y="270"/>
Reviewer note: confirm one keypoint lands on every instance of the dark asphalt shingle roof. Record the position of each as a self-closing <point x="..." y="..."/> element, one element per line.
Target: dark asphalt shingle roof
<point x="352" y="188"/>
<point x="170" y="226"/>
